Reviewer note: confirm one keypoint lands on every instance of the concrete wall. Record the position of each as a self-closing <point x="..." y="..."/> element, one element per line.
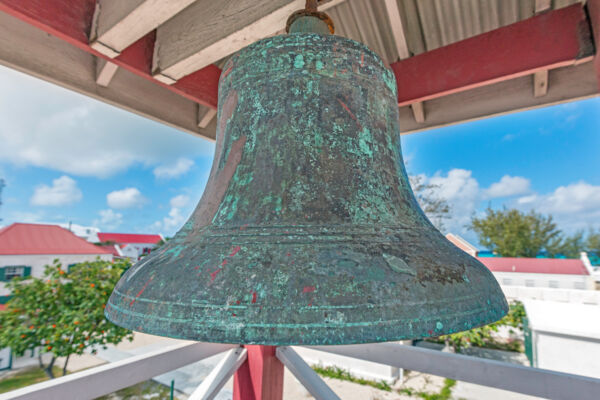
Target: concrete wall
<point x="553" y="281"/>
<point x="565" y="353"/>
<point x="37" y="262"/>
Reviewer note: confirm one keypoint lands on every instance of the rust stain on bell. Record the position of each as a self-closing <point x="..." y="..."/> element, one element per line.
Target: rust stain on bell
<point x="308" y="231"/>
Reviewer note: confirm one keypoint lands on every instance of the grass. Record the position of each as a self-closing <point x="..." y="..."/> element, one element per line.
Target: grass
<point x="341" y="374"/>
<point x="29" y="376"/>
<point x="144" y="390"/>
<point x="26" y="377"/>
<point x="444" y="393"/>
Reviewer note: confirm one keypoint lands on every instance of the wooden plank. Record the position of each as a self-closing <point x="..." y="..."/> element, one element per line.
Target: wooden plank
<point x="418" y="111"/>
<point x="208" y="31"/>
<point x="71" y="21"/>
<point x="219" y="376"/>
<point x="542" y="5"/>
<point x="260" y="377"/>
<point x="305" y="374"/>
<point x="540" y="83"/>
<point x="105" y="70"/>
<point x="395" y="19"/>
<point x="31" y="50"/>
<point x="108" y="378"/>
<point x="205" y="115"/>
<point x="568" y="83"/>
<point x="546" y="41"/>
<point x="491" y="373"/>
<point x="118" y="23"/>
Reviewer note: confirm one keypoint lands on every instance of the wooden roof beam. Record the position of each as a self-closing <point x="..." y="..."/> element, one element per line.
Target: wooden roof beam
<point x="393" y="11"/>
<point x="209" y="30"/>
<point x="593" y="7"/>
<point x="516" y="50"/>
<point x="118" y="23"/>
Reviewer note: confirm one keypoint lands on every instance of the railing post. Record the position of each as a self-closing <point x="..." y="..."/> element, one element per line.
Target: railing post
<point x="260" y="377"/>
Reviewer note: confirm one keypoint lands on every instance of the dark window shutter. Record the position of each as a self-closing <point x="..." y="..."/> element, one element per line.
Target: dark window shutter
<point x="2" y="279"/>
<point x="26" y="271"/>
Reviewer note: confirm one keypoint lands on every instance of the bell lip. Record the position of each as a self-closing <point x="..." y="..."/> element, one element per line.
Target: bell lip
<point x="340" y="335"/>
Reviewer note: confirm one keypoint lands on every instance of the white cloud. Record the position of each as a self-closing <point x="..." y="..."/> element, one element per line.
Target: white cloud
<point x="573" y="198"/>
<point x="64" y="191"/>
<point x="176" y="216"/>
<point x="173" y="170"/>
<point x="574" y="206"/>
<point x="508" y="186"/>
<point x="179" y="201"/>
<point x="109" y="219"/>
<point x="126" y="198"/>
<point x="81" y="136"/>
<point x="462" y="193"/>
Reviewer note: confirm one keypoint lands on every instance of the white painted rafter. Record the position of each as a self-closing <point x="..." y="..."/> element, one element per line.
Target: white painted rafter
<point x="119" y="23"/>
<point x="105" y="70"/>
<point x="398" y="31"/>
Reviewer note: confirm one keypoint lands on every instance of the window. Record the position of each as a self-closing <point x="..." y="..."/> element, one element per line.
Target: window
<point x="507" y="281"/>
<point x="13" y="272"/>
<point x="529" y="282"/>
<point x="553" y="284"/>
<point x="579" y="285"/>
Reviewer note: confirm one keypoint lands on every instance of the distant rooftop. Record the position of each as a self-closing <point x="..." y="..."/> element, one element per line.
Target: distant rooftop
<point x="535" y="265"/>
<point x="124" y="238"/>
<point x="20" y="238"/>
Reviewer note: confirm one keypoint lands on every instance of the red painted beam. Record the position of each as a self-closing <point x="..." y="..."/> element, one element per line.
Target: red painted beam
<point x="550" y="40"/>
<point x="260" y="377"/>
<point x="71" y="21"/>
<point x="593" y="7"/>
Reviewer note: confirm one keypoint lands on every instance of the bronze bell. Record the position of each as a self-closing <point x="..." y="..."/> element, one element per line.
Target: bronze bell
<point x="308" y="231"/>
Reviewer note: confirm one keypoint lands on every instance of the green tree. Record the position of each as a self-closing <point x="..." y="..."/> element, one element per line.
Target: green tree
<point x="512" y="233"/>
<point x="63" y="312"/>
<point x="435" y="207"/>
<point x="592" y="246"/>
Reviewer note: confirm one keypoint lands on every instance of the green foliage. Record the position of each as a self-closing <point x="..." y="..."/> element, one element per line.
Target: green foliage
<point x="482" y="336"/>
<point x="592" y="246"/>
<point x="511" y="233"/>
<point x="338" y="373"/>
<point x="444" y="394"/>
<point x="63" y="312"/>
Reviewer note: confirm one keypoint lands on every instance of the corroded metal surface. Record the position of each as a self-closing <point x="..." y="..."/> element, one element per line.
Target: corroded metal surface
<point x="308" y="232"/>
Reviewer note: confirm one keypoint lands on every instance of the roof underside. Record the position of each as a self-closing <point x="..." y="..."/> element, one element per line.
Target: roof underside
<point x="163" y="60"/>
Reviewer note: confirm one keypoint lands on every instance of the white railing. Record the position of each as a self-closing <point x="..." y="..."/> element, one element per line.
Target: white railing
<point x="111" y="377"/>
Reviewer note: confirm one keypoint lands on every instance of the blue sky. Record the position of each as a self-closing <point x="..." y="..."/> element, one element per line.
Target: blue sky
<point x="66" y="157"/>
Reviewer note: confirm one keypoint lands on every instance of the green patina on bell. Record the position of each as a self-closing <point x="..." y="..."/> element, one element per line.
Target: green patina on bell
<point x="308" y="231"/>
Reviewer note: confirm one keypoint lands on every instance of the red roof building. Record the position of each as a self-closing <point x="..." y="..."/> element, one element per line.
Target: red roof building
<point x="126" y="238"/>
<point x="21" y="239"/>
<point x="555" y="266"/>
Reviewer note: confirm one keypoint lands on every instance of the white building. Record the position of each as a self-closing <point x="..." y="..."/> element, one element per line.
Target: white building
<point x="25" y="250"/>
<point x="564" y="336"/>
<point x="89" y="233"/>
<point x="554" y="273"/>
<point x="132" y="245"/>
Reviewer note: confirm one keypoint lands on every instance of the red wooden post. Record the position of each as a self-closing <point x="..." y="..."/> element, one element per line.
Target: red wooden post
<point x="260" y="377"/>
